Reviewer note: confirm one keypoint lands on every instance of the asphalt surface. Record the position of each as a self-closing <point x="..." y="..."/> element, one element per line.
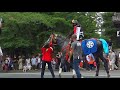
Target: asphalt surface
<point x="36" y="74"/>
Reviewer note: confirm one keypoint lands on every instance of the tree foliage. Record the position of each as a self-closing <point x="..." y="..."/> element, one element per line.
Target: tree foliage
<point x="110" y="30"/>
<point x="30" y="30"/>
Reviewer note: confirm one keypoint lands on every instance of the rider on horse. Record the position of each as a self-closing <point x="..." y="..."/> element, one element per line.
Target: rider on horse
<point x="77" y="29"/>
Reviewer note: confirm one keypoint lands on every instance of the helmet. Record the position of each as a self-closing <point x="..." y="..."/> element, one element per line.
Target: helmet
<point x="74" y="21"/>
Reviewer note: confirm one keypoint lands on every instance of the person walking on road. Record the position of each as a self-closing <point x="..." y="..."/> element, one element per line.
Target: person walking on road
<point x="76" y="50"/>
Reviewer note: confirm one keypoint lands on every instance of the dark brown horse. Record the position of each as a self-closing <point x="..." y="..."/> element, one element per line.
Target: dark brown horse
<point x="62" y="42"/>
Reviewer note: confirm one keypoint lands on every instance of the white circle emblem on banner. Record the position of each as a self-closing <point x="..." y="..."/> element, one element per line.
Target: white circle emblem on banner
<point x="90" y="44"/>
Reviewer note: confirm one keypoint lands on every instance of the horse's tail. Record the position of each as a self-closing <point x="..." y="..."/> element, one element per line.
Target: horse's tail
<point x="105" y="46"/>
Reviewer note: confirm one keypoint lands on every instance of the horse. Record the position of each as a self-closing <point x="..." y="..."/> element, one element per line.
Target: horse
<point x="65" y="44"/>
<point x="98" y="54"/>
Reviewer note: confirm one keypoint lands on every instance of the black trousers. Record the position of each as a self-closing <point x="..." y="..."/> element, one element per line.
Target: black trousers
<point x="49" y="67"/>
<point x="91" y="66"/>
<point x="38" y="65"/>
<point x="0" y="31"/>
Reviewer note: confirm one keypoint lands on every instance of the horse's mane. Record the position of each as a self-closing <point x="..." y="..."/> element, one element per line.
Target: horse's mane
<point x="61" y="36"/>
<point x="62" y="40"/>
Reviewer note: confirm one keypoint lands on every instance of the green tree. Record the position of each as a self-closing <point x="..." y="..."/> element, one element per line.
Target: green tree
<point x="110" y="30"/>
<point x="87" y="22"/>
<point x="27" y="31"/>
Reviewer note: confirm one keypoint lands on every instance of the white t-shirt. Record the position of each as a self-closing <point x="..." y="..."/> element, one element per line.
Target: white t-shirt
<point x="78" y="32"/>
<point x="38" y="60"/>
<point x="27" y="61"/>
<point x="112" y="57"/>
<point x="1" y="52"/>
<point x="119" y="55"/>
<point x="6" y="61"/>
<point x="87" y="57"/>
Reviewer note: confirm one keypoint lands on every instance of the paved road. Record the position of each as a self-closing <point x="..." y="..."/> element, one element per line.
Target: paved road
<point x="85" y="74"/>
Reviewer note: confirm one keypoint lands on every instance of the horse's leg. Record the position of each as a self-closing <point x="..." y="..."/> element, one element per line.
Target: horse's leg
<point x="97" y="65"/>
<point x="60" y="67"/>
<point x="73" y="73"/>
<point x="105" y="64"/>
<point x="60" y="70"/>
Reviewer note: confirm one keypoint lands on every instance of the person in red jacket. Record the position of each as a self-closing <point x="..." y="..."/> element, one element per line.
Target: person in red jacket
<point x="47" y="51"/>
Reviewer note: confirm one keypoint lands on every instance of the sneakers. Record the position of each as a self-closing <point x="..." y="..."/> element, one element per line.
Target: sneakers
<point x="59" y="75"/>
<point x="73" y="76"/>
<point x="82" y="77"/>
<point x="108" y="75"/>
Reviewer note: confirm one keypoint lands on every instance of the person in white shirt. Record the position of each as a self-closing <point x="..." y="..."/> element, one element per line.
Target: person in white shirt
<point x="20" y="62"/>
<point x="28" y="64"/>
<point x="28" y="61"/>
<point x="34" y="62"/>
<point x="119" y="56"/>
<point x="112" y="58"/>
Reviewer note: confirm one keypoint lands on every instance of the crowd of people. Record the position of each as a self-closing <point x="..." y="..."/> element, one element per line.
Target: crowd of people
<point x="30" y="63"/>
<point x="35" y="63"/>
<point x="21" y="63"/>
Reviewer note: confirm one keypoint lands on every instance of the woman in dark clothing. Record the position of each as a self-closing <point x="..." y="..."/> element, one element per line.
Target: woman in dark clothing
<point x="15" y="63"/>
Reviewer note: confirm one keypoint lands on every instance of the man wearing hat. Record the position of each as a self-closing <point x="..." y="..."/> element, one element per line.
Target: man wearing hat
<point x="77" y="29"/>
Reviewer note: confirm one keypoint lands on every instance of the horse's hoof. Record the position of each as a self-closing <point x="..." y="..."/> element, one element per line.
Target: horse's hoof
<point x="108" y="75"/>
<point x="96" y="75"/>
<point x="73" y="76"/>
<point x="59" y="75"/>
<point x="53" y="77"/>
<point x="82" y="77"/>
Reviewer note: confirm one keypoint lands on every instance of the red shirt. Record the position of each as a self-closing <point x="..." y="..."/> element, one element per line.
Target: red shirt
<point x="66" y="56"/>
<point x="75" y="28"/>
<point x="67" y="52"/>
<point x="47" y="54"/>
<point x="50" y="44"/>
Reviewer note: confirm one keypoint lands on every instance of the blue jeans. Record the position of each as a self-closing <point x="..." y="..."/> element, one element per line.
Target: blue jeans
<point x="76" y="63"/>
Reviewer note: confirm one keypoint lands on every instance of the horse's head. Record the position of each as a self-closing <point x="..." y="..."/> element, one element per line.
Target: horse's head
<point x="61" y="40"/>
